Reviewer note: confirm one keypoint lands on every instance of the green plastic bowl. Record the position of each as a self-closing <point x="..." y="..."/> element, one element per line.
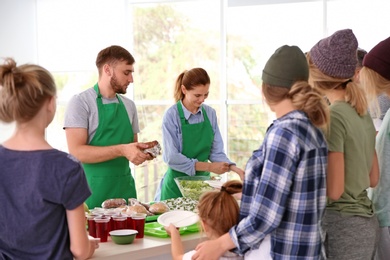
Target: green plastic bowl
<point x="123" y="236"/>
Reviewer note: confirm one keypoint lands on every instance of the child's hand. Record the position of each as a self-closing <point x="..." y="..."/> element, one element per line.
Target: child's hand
<point x="94" y="241"/>
<point x="171" y="229"/>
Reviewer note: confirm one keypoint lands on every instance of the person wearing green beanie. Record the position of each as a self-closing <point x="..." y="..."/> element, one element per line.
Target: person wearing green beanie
<point x="284" y="193"/>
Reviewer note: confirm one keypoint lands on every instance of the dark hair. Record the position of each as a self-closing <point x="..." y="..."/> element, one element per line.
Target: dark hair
<point x="111" y="55"/>
<point x="189" y="79"/>
<point x="219" y="209"/>
<point x="23" y="90"/>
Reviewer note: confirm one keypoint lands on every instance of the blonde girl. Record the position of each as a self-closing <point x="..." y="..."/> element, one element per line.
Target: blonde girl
<point x="349" y="224"/>
<point x="42" y="190"/>
<point x="375" y="78"/>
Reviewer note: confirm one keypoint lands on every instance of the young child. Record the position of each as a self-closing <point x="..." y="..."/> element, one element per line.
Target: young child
<point x="42" y="190"/>
<point x="218" y="212"/>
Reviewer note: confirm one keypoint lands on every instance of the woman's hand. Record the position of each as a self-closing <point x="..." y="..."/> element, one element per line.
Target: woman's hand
<point x="208" y="250"/>
<point x="213" y="249"/>
<point x="219" y="167"/>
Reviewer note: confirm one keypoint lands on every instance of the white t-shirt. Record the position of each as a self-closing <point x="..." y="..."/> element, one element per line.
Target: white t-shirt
<point x="227" y="256"/>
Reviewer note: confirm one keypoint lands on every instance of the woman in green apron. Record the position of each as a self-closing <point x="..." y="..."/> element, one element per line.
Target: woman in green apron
<point x="192" y="141"/>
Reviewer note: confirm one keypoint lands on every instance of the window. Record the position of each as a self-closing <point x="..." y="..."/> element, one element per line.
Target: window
<point x="231" y="39"/>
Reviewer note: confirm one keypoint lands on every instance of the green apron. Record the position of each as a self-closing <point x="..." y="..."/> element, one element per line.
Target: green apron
<point x="110" y="179"/>
<point x="197" y="142"/>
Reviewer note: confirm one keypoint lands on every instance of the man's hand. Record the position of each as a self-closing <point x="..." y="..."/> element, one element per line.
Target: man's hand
<point x="133" y="152"/>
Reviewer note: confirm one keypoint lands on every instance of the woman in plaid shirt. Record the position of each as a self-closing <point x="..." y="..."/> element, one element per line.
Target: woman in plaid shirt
<point x="284" y="192"/>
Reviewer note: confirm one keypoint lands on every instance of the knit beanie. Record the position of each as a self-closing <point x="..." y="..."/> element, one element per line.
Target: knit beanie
<point x="286" y="66"/>
<point x="335" y="55"/>
<point x="378" y="59"/>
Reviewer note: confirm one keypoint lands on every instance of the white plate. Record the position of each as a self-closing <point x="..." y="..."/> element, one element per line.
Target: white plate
<point x="179" y="218"/>
<point x="215" y="183"/>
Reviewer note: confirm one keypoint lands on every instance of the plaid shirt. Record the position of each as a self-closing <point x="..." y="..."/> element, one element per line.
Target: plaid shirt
<point x="284" y="192"/>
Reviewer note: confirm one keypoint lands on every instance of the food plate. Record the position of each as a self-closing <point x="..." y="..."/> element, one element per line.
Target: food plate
<point x="179" y="218"/>
<point x="215" y="183"/>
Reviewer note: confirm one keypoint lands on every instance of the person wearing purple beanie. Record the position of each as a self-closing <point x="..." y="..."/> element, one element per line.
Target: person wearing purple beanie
<point x="350" y="226"/>
<point x="375" y="79"/>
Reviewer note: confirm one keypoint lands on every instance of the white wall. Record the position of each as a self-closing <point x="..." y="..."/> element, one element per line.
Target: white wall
<point x="18" y="39"/>
<point x="18" y="30"/>
<point x="72" y="32"/>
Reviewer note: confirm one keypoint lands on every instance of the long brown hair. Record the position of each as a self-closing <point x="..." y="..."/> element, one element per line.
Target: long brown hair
<point x="189" y="79"/>
<point x="354" y="95"/>
<point x="219" y="209"/>
<point x="304" y="98"/>
<point x="23" y="90"/>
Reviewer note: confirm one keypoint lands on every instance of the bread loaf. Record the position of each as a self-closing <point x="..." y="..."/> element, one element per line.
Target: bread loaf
<point x="113" y="203"/>
<point x="159" y="208"/>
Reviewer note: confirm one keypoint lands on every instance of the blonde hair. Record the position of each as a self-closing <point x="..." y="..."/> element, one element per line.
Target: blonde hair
<point x="303" y="98"/>
<point x="219" y="209"/>
<point x="190" y="79"/>
<point x="354" y="95"/>
<point x="373" y="84"/>
<point x="23" y="90"/>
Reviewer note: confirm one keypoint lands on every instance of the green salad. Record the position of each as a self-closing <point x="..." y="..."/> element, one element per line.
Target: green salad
<point x="182" y="204"/>
<point x="193" y="189"/>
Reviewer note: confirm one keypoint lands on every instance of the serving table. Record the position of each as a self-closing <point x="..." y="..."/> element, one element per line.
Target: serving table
<point x="146" y="248"/>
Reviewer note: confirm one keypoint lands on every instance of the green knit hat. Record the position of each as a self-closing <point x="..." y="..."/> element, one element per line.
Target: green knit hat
<point x="286" y="66"/>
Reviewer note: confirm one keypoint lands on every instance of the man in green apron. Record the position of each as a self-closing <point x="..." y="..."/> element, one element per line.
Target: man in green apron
<point x="101" y="129"/>
<point x="193" y="145"/>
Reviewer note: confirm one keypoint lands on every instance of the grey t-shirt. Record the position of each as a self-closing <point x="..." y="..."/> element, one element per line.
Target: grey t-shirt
<point x="82" y="112"/>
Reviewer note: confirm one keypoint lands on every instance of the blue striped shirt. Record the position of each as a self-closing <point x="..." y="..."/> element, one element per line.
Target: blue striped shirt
<point x="284" y="192"/>
<point x="173" y="142"/>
